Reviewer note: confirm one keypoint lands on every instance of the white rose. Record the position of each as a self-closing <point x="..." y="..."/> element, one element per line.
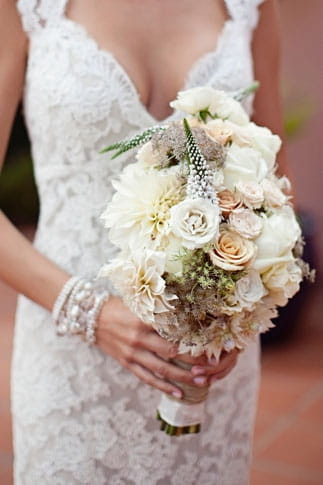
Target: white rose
<point x="232" y="252"/>
<point x="251" y="193"/>
<point x="217" y="102"/>
<point x="274" y="197"/>
<point x="249" y="290"/>
<point x="139" y="280"/>
<point x="246" y="223"/>
<point x="195" y="221"/>
<point x="264" y="141"/>
<point x="243" y="164"/>
<point x="278" y="237"/>
<point x="283" y="281"/>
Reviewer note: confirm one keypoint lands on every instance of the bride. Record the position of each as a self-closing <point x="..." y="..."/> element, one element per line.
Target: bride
<point x="93" y="73"/>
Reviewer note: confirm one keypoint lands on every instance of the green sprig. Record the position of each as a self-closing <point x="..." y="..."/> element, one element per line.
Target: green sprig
<point x="137" y="140"/>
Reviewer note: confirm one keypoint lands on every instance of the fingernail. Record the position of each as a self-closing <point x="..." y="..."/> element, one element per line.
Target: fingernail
<point x="200" y="380"/>
<point x="198" y="371"/>
<point x="213" y="379"/>
<point x="177" y="394"/>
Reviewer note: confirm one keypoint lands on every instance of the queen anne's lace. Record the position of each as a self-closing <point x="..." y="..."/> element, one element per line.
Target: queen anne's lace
<point x="79" y="417"/>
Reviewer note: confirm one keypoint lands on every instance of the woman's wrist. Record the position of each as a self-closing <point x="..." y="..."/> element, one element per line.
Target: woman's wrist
<point x="77" y="307"/>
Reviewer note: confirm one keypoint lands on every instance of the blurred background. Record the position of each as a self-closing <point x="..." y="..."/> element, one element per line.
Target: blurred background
<point x="288" y="436"/>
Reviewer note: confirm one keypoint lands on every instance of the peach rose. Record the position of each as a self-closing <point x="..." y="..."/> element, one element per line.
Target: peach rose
<point x="231" y="251"/>
<point x="228" y="201"/>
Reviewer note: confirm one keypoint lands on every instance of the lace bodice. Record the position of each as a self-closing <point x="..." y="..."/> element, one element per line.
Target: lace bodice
<point x="78" y="416"/>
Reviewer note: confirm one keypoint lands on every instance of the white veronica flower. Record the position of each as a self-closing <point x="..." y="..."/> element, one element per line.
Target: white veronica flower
<point x="139" y="213"/>
<point x="243" y="164"/>
<point x="139" y="280"/>
<point x="278" y="237"/>
<point x="215" y="101"/>
<point x="195" y="222"/>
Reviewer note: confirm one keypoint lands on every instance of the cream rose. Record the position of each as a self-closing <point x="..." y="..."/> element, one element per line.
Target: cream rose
<point x="283" y="280"/>
<point x="146" y="155"/>
<point x="243" y="164"/>
<point x="251" y="193"/>
<point x="228" y="201"/>
<point x="249" y="290"/>
<point x="232" y="252"/>
<point x="217" y="102"/>
<point x="274" y="197"/>
<point x="246" y="223"/>
<point x="223" y="131"/>
<point x="278" y="237"/>
<point x="195" y="222"/>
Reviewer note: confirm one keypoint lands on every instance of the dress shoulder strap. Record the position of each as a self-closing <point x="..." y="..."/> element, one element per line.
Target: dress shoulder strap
<point x="36" y="14"/>
<point x="244" y="11"/>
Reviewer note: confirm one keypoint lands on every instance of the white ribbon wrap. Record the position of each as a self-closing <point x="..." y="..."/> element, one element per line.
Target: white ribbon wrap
<point x="179" y="413"/>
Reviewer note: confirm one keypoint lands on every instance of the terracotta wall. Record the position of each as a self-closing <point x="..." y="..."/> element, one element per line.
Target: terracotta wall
<point x="302" y="39"/>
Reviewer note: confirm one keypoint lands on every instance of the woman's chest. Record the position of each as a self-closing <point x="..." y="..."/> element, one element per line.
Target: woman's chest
<point x="71" y="77"/>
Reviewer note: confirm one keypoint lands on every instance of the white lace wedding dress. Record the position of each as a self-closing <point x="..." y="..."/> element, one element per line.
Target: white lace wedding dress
<point x="79" y="417"/>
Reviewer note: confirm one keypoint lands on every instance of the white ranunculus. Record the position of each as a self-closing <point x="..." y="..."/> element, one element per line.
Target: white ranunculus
<point x="139" y="212"/>
<point x="251" y="193"/>
<point x="217" y="102"/>
<point x="195" y="222"/>
<point x="278" y="237"/>
<point x="243" y="164"/>
<point x="246" y="223"/>
<point x="249" y="290"/>
<point x="231" y="251"/>
<point x="283" y="280"/>
<point x="264" y="141"/>
<point x="274" y="197"/>
<point x="139" y="280"/>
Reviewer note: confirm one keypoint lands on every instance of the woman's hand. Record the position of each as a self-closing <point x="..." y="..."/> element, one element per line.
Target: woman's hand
<point x="211" y="370"/>
<point x="140" y="349"/>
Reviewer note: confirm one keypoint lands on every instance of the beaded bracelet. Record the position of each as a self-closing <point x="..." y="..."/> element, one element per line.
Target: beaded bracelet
<point x="77" y="308"/>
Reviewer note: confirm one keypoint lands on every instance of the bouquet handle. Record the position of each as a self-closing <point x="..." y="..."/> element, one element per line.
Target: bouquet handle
<point x="182" y="416"/>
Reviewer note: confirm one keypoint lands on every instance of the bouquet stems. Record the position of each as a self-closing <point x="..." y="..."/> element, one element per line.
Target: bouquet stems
<point x="182" y="416"/>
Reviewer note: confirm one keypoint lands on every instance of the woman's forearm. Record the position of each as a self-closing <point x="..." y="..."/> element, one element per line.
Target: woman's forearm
<point x="25" y="269"/>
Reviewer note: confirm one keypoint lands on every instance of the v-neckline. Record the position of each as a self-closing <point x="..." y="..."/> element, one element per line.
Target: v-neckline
<point x="151" y="119"/>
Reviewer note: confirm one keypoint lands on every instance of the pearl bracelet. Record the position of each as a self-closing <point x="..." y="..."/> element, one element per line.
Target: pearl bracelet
<point x="77" y="308"/>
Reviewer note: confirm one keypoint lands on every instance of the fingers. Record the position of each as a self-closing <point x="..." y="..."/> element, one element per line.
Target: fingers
<point x="220" y="369"/>
<point x="163" y="369"/>
<point x="150" y="379"/>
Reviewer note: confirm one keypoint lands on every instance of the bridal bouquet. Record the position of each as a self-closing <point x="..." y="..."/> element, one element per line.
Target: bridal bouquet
<point x="209" y="242"/>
